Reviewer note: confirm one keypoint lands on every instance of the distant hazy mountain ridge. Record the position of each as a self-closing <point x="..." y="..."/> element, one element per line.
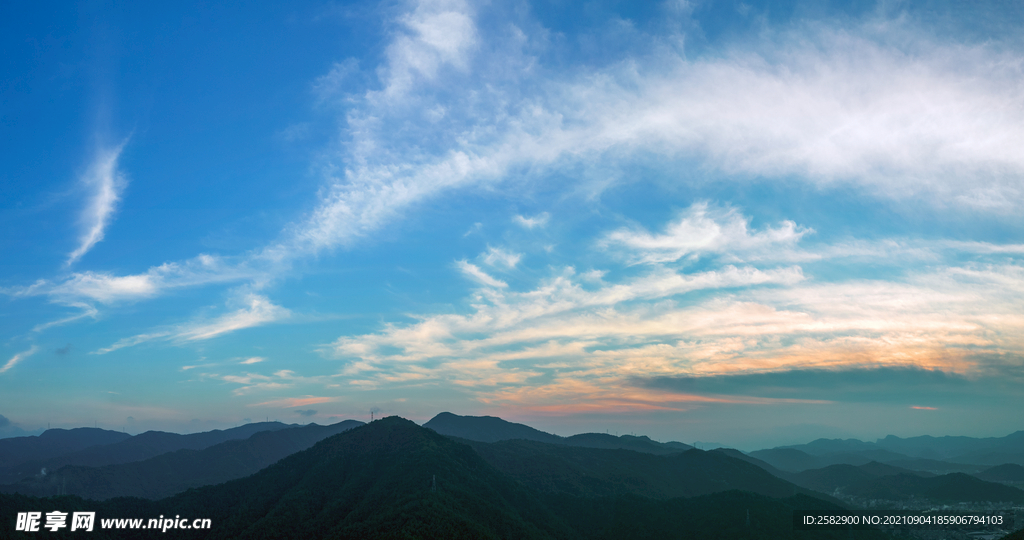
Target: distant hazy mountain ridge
<point x="121" y="448"/>
<point x="54" y="442"/>
<point x="176" y="471"/>
<point x="492" y="429"/>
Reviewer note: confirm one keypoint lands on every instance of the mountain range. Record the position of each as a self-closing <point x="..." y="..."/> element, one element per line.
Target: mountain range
<point x="91" y="447"/>
<point x="175" y="471"/>
<point x="947" y="454"/>
<point x="472" y="477"/>
<point x="394" y="479"/>
<point x="492" y="429"/>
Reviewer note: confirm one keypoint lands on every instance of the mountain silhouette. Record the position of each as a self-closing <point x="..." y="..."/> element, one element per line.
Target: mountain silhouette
<point x="490" y="429"/>
<point x="486" y="429"/>
<point x="947" y="489"/>
<point x="174" y="472"/>
<point x="787" y="459"/>
<point x="978" y="451"/>
<point x="732" y="452"/>
<point x="121" y="448"/>
<point x="53" y="442"/>
<point x="596" y="472"/>
<point x="966" y="451"/>
<point x="389" y="478"/>
<point x="1008" y="472"/>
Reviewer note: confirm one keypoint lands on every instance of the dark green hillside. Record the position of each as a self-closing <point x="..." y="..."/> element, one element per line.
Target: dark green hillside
<point x="720" y="516"/>
<point x="992" y="458"/>
<point x="948" y="488"/>
<point x="934" y="466"/>
<point x="847" y="477"/>
<point x="1018" y="535"/>
<point x="1008" y="472"/>
<point x="490" y="429"/>
<point x="53" y="442"/>
<point x="828" y="479"/>
<point x="860" y="458"/>
<point x="375" y="481"/>
<point x="882" y="469"/>
<point x="749" y="459"/>
<point x="174" y="472"/>
<point x="593" y="472"/>
<point x="625" y="442"/>
<point x="486" y="429"/>
<point x="957" y="449"/>
<point x="787" y="459"/>
<point x="820" y="447"/>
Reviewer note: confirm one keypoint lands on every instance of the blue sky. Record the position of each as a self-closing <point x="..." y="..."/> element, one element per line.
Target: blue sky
<point x="750" y="223"/>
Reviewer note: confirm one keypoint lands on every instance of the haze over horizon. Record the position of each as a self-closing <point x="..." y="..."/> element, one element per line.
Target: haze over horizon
<point x="752" y="223"/>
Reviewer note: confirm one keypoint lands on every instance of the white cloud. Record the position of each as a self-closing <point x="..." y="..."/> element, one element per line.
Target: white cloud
<point x="330" y="85"/>
<point x="435" y="34"/>
<point x="539" y="220"/>
<point x="253" y="360"/>
<point x="586" y="343"/>
<point x="132" y="341"/>
<point x="881" y="107"/>
<point x="503" y="318"/>
<point x="252" y="382"/>
<point x="474" y="272"/>
<point x="107" y="288"/>
<point x="891" y="112"/>
<point x="255" y="310"/>
<point x="702" y="230"/>
<point x="585" y="336"/>
<point x="18" y="358"/>
<point x="500" y="257"/>
<point x="105" y="183"/>
<point x="87" y="311"/>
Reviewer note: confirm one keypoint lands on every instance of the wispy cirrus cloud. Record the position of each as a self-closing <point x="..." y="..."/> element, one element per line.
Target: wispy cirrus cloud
<point x="105" y="183"/>
<point x="133" y="341"/>
<point x="254" y="382"/>
<point x="474" y="273"/>
<point x="281" y="379"/>
<point x="87" y="311"/>
<point x="701" y="230"/>
<point x="255" y="310"/>
<point x="520" y="347"/>
<point x="879" y="105"/>
<point x="826" y="105"/>
<point x="107" y="288"/>
<point x="573" y="339"/>
<point x="18" y="358"/>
